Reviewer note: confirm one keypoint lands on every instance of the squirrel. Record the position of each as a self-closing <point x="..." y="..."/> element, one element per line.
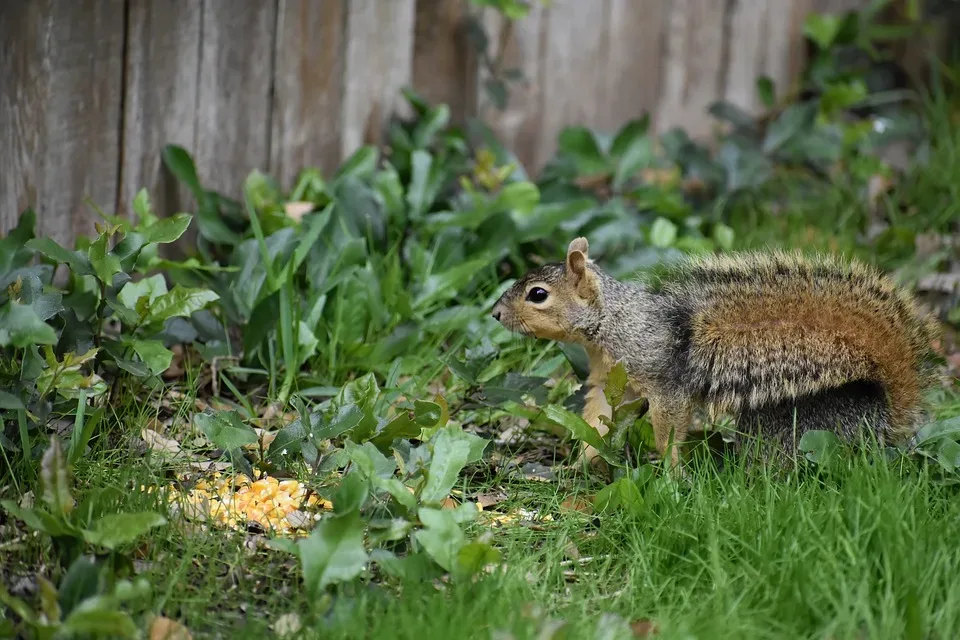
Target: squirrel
<point x="781" y="342"/>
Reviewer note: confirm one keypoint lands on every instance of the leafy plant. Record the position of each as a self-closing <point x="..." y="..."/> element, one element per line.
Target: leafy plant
<point x="92" y="592"/>
<point x="58" y="343"/>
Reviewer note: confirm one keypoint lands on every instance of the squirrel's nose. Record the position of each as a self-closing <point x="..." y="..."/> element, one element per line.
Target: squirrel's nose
<point x="496" y="312"/>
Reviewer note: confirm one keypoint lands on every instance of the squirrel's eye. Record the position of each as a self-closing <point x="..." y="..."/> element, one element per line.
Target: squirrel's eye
<point x="537" y="294"/>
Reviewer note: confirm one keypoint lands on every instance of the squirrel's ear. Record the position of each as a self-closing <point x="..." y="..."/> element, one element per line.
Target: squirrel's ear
<point x="583" y="279"/>
<point x="579" y="244"/>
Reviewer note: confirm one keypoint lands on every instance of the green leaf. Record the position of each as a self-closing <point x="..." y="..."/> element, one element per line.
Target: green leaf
<point x="435" y="120"/>
<point x="794" y="119"/>
<point x="225" y="429"/>
<point x="209" y="222"/>
<point x="581" y="145"/>
<point x="153" y="354"/>
<point x="105" y="265"/>
<point x="143" y="207"/>
<point x="580" y="428"/>
<point x="398" y="490"/>
<point x="729" y="112"/>
<point x="333" y="552"/>
<point x="14" y="252"/>
<point x="181" y="301"/>
<point x="10" y="401"/>
<point x="401" y="426"/>
<point x="723" y="236"/>
<point x="344" y="420"/>
<point x="822" y="28"/>
<point x="638" y="155"/>
<point x="450" y="455"/>
<point x="441" y="536"/>
<point x="441" y="286"/>
<point x="419" y="196"/>
<point x="180" y="164"/>
<point x="842" y="95"/>
<point x="351" y="494"/>
<point x="942" y="429"/>
<point x="77" y="262"/>
<point x="948" y="455"/>
<point x="362" y="164"/>
<point x="30" y="517"/>
<point x="55" y="479"/>
<point x="48" y="600"/>
<point x="150" y="288"/>
<point x="621" y="494"/>
<point x="369" y="460"/>
<point x="519" y="198"/>
<point x="426" y="414"/>
<point x="21" y="327"/>
<point x="101" y="621"/>
<point x="116" y="529"/>
<point x="616" y="384"/>
<point x="629" y="135"/>
<point x="167" y="229"/>
<point x="766" y="91"/>
<point x="82" y="581"/>
<point x="819" y="446"/>
<point x="663" y="233"/>
<point x="474" y="556"/>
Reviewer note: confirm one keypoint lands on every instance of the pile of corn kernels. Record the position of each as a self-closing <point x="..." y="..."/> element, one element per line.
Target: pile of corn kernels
<point x="236" y="501"/>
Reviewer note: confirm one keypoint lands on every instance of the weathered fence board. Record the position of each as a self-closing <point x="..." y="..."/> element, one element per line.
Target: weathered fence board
<point x="91" y="90"/>
<point x="308" y="89"/>
<point x="160" y="98"/>
<point x="443" y="60"/>
<point x="574" y="53"/>
<point x="633" y="74"/>
<point x="694" y="63"/>
<point x="378" y="63"/>
<point x="517" y="46"/>
<point x="60" y="119"/>
<point x="777" y="55"/>
<point x="233" y="107"/>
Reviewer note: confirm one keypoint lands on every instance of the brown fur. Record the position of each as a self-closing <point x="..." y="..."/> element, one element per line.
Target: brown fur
<point x="784" y="343"/>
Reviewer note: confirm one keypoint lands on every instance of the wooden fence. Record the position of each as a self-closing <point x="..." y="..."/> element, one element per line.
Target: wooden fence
<point x="91" y="90"/>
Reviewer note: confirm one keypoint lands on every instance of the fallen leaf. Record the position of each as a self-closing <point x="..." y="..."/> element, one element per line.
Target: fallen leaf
<point x="163" y="628"/>
<point x="287" y="625"/>
<point x="157" y="442"/>
<point x="487" y="500"/>
<point x="449" y="503"/>
<point x="576" y="503"/>
<point x="296" y="210"/>
<point x="644" y="628"/>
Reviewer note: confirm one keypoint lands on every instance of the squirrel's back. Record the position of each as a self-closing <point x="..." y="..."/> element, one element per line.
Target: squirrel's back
<point x="751" y="330"/>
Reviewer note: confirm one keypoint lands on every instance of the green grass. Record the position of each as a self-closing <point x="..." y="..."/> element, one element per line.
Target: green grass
<point x="865" y="551"/>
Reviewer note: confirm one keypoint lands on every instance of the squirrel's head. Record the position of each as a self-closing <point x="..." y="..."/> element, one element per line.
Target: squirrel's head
<point x="559" y="301"/>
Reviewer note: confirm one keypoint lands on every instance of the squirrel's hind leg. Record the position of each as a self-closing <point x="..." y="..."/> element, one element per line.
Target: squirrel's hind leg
<point x="670" y="416"/>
